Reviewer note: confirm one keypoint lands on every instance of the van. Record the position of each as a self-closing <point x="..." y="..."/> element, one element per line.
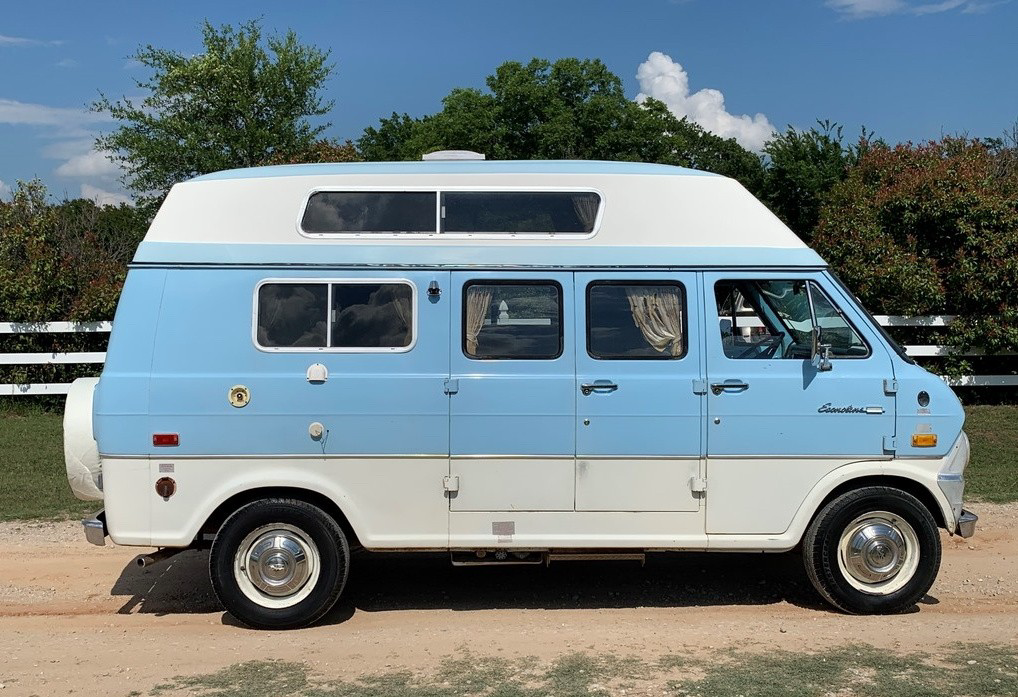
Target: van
<point x="509" y="362"/>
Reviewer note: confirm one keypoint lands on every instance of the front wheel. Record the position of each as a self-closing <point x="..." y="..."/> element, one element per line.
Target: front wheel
<point x="279" y="563"/>
<point x="873" y="550"/>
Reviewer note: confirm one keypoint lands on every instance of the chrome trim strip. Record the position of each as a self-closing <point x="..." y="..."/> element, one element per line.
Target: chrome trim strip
<point x="299" y="456"/>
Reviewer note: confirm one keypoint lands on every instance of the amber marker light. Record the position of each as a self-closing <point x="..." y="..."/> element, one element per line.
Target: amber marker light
<point x="924" y="440"/>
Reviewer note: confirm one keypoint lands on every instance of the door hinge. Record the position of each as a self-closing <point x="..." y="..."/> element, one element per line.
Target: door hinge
<point x="452" y="385"/>
<point x="890" y="386"/>
<point x="890" y="444"/>
<point x="699" y="387"/>
<point x="451" y="483"/>
<point x="698" y="485"/>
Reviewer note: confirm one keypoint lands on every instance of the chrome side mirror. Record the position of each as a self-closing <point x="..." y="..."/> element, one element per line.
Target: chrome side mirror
<point x="820" y="353"/>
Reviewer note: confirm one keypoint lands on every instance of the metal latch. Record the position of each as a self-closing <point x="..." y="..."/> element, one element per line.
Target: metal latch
<point x="452" y="385"/>
<point x="699" y="387"/>
<point x="698" y="485"/>
<point x="451" y="483"/>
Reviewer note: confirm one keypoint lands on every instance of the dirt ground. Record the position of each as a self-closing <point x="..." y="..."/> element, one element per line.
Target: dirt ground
<point x="77" y="619"/>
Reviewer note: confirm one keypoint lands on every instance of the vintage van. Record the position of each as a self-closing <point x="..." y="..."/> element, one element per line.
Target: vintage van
<point x="513" y="362"/>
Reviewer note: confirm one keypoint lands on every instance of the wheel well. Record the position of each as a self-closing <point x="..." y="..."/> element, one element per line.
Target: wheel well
<point x="908" y="485"/>
<point x="229" y="506"/>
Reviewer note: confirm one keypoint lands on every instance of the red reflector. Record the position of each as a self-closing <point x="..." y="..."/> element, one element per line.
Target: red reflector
<point x="165" y="439"/>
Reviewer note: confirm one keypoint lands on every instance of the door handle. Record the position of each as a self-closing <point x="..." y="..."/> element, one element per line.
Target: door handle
<point x="598" y="386"/>
<point x="719" y="387"/>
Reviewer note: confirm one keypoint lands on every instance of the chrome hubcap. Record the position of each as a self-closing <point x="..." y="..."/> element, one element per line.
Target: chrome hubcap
<point x="276" y="562"/>
<point x="876" y="551"/>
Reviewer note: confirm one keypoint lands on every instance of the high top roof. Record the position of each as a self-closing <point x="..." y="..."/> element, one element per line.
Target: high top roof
<point x="652" y="215"/>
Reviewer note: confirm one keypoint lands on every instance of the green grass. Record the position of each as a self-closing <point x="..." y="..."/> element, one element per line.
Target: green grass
<point x="33" y="485"/>
<point x="993" y="472"/>
<point x="976" y="670"/>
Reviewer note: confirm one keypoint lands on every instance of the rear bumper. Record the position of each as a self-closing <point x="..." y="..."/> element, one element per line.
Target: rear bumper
<point x="95" y="528"/>
<point x="966" y="524"/>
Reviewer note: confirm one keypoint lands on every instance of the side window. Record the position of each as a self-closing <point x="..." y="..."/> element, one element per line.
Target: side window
<point x="635" y="320"/>
<point x="342" y="316"/>
<point x="292" y="315"/>
<point x="512" y="320"/>
<point x="773" y="319"/>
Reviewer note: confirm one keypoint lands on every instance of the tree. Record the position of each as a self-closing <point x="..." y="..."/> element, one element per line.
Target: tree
<point x="569" y="109"/>
<point x="804" y="166"/>
<point x="234" y="105"/>
<point x="918" y="229"/>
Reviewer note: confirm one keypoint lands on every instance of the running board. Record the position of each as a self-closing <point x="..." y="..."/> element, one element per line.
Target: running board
<point x="483" y="557"/>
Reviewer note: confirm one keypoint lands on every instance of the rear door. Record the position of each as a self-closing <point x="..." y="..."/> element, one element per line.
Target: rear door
<point x="638" y="391"/>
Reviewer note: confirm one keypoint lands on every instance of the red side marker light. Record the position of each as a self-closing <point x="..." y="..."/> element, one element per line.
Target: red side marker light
<point x="165" y="439"/>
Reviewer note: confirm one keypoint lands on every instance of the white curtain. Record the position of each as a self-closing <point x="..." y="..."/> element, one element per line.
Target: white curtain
<point x="478" y="302"/>
<point x="658" y="314"/>
<point x="585" y="206"/>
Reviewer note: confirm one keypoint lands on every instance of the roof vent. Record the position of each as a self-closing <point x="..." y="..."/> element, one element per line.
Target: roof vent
<point x="452" y="155"/>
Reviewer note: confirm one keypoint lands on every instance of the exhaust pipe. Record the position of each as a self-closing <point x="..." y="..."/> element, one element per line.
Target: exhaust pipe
<point x="146" y="560"/>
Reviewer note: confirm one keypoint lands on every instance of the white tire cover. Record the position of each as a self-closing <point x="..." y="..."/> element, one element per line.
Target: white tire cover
<point x="81" y="453"/>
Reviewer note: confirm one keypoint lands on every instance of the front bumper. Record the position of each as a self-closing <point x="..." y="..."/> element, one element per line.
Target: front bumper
<point x="966" y="527"/>
<point x="95" y="528"/>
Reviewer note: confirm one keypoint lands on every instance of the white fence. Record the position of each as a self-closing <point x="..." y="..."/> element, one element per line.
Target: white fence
<point x="95" y="357"/>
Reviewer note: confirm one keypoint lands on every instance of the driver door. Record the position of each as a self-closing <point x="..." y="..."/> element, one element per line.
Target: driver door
<point x="775" y="423"/>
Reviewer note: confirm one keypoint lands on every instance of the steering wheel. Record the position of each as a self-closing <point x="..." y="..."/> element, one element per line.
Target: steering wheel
<point x="769" y="345"/>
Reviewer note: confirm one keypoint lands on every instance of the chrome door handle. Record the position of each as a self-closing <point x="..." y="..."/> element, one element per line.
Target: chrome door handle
<point x="599" y="386"/>
<point x="719" y="387"/>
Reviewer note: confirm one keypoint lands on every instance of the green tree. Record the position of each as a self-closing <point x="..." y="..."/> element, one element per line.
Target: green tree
<point x="569" y="109"/>
<point x="240" y="102"/>
<point x="804" y="166"/>
<point x="918" y="229"/>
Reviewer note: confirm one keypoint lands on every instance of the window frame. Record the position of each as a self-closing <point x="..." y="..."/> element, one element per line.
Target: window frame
<point x="763" y="314"/>
<point x="329" y="282"/>
<point x="438" y="190"/>
<point x="512" y="282"/>
<point x="620" y="282"/>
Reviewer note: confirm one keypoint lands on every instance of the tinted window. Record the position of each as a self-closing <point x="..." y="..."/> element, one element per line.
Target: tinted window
<point x="633" y="321"/>
<point x="519" y="211"/>
<point x="292" y="314"/>
<point x="366" y="315"/>
<point x="370" y="211"/>
<point x="512" y="320"/>
<point x="363" y="315"/>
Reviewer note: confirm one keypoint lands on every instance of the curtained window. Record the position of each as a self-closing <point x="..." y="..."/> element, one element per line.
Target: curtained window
<point x="635" y="320"/>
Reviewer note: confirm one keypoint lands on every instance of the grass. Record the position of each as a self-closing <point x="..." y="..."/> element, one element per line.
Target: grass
<point x="993" y="472"/>
<point x="976" y="670"/>
<point x="33" y="484"/>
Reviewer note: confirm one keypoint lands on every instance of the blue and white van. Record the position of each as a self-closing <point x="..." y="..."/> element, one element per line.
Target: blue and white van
<point x="512" y="362"/>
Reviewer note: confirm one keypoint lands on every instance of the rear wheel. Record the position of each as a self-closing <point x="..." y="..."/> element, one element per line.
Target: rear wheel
<point x="873" y="550"/>
<point x="279" y="563"/>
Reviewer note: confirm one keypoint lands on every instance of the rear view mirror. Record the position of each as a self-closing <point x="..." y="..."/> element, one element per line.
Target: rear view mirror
<point x="820" y="353"/>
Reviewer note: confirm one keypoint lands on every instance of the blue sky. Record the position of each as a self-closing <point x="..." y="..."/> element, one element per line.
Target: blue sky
<point x="906" y="69"/>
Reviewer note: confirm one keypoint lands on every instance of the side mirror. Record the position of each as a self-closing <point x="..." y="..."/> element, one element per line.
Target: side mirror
<point x="820" y="353"/>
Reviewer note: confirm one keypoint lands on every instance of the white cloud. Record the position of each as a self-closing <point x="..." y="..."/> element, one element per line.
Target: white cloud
<point x="66" y="63"/>
<point x="22" y="41"/>
<point x="663" y="79"/>
<point x="5" y="190"/>
<point x="102" y="197"/>
<point x="90" y="164"/>
<point x="67" y="122"/>
<point x="863" y="9"/>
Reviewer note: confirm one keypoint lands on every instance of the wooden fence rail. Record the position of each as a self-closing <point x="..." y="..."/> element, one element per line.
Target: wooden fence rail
<point x="97" y="357"/>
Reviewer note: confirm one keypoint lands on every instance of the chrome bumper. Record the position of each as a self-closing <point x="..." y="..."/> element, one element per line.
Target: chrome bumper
<point x="966" y="524"/>
<point x="95" y="528"/>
